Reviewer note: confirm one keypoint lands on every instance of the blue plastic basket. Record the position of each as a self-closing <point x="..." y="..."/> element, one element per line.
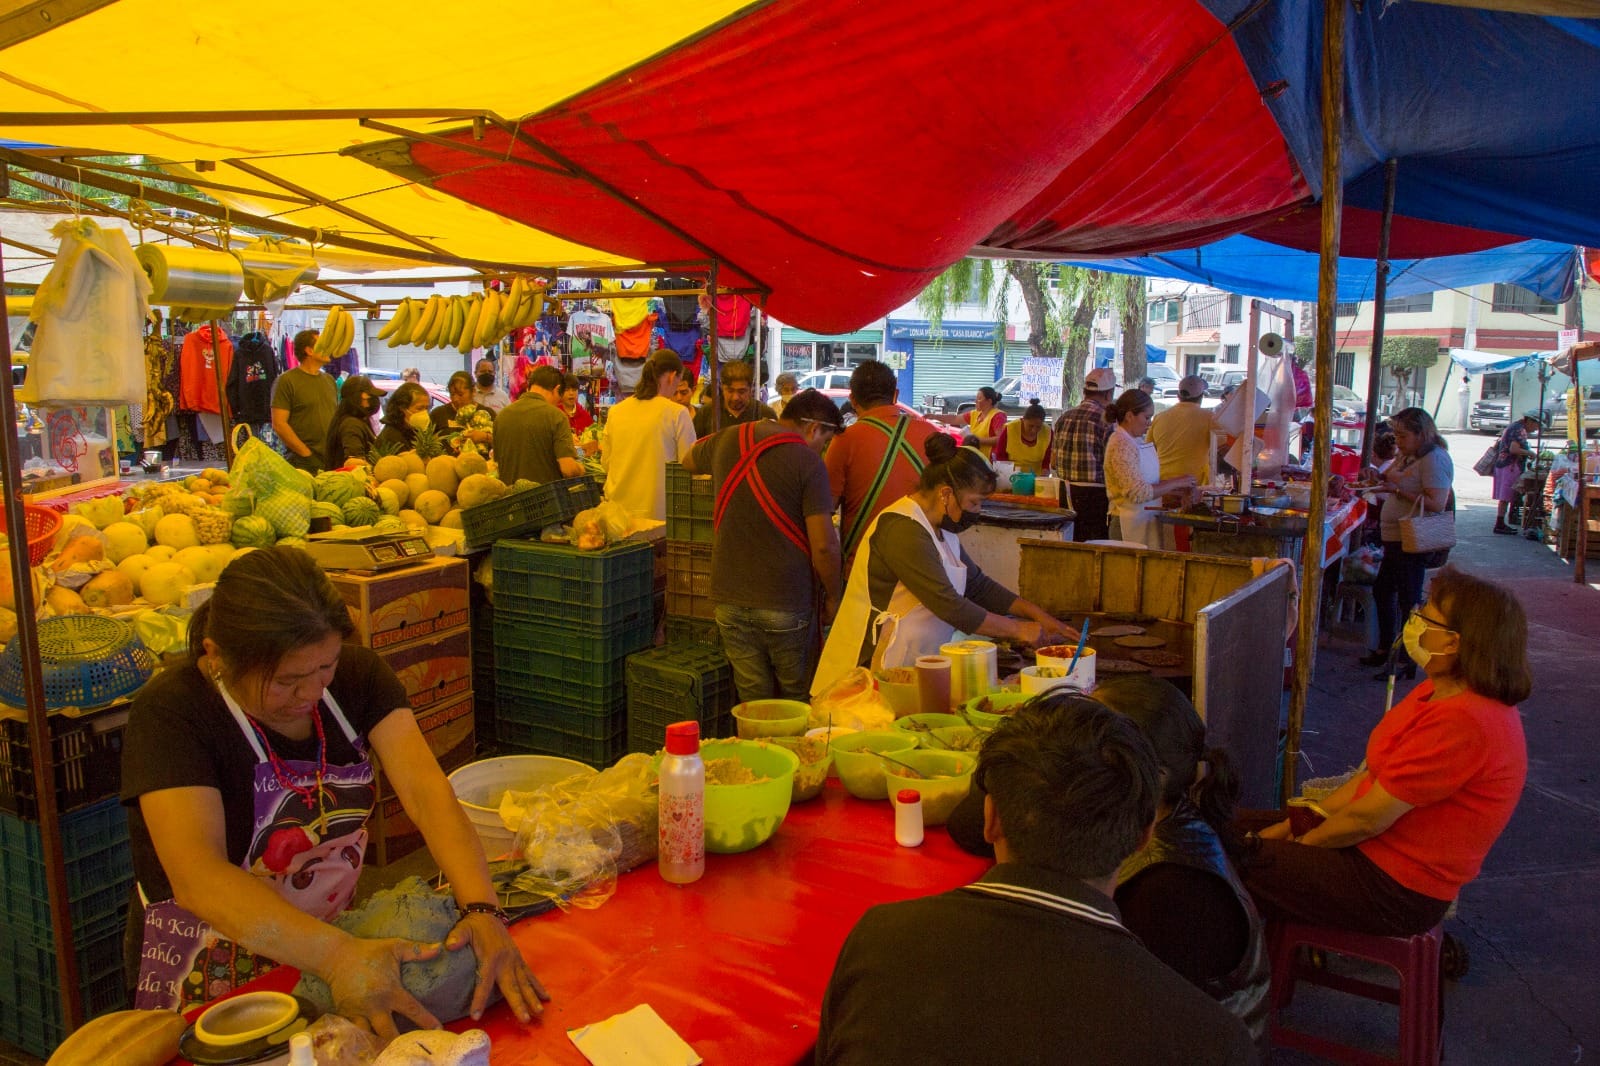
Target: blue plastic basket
<point x="86" y="660"/>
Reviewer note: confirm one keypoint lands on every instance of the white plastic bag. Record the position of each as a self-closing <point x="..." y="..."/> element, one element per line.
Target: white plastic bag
<point x="853" y="702"/>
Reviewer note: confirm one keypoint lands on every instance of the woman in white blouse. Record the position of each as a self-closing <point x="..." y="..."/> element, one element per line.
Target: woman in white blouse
<point x="1133" y="472"/>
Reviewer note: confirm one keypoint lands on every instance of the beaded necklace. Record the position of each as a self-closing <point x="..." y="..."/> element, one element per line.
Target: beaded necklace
<point x="312" y="794"/>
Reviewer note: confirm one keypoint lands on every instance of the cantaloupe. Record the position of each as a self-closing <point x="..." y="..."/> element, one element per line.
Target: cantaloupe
<point x="388" y="502"/>
<point x="432" y="505"/>
<point x="442" y="475"/>
<point x="161" y="553"/>
<point x="204" y="561"/>
<point x="124" y="539"/>
<point x="451" y="519"/>
<point x="469" y="463"/>
<point x="478" y="489"/>
<point x="134" y="567"/>
<point x="164" y="583"/>
<point x="414" y="463"/>
<point x="398" y="486"/>
<point x="110" y="589"/>
<point x="412" y="519"/>
<point x="390" y="468"/>
<point x="177" y="531"/>
<point x="416" y="485"/>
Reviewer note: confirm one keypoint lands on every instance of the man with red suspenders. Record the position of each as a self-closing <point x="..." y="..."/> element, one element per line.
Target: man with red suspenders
<point x="774" y="542"/>
<point x="879" y="458"/>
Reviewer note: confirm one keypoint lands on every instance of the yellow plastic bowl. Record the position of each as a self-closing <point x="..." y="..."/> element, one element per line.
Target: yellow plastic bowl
<point x="810" y="776"/>
<point x="1009" y="701"/>
<point x="741" y="817"/>
<point x="246" y="1018"/>
<point x="939" y="795"/>
<point x="860" y="769"/>
<point x="771" y="718"/>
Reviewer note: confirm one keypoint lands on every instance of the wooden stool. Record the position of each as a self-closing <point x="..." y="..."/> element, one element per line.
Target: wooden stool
<point x="1354" y="613"/>
<point x="1414" y="958"/>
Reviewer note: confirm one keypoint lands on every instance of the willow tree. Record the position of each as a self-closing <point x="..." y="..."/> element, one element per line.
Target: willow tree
<point x="1061" y="302"/>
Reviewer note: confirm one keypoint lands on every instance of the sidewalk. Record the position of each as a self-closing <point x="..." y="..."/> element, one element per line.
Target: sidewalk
<point x="1530" y="920"/>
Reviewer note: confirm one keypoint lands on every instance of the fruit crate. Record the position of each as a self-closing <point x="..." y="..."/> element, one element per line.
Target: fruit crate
<point x="689" y="581"/>
<point x="589" y="721"/>
<point x="691" y="500"/>
<point x="88" y="758"/>
<point x="99" y="865"/>
<point x="587" y="684"/>
<point x="529" y="511"/>
<point x="538" y="739"/>
<point x="556" y="581"/>
<point x="536" y="637"/>
<point x="31" y="1015"/>
<point x="682" y="630"/>
<point x="677" y="683"/>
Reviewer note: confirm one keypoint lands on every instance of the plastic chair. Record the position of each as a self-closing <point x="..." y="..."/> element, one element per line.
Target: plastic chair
<point x="1354" y="613"/>
<point x="1414" y="958"/>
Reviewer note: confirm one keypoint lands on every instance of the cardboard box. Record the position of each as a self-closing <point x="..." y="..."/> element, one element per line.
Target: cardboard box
<point x="451" y="735"/>
<point x="434" y="672"/>
<point x="391" y="834"/>
<point x="401" y="607"/>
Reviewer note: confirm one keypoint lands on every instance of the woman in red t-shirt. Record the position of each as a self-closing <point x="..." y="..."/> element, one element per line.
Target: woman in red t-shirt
<point x="1445" y="768"/>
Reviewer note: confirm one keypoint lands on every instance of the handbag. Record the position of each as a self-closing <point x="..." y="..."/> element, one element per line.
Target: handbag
<point x="1421" y="532"/>
<point x="1486" y="462"/>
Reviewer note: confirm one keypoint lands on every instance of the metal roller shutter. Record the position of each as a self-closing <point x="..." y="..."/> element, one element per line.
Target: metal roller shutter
<point x="436" y="364"/>
<point x="953" y="366"/>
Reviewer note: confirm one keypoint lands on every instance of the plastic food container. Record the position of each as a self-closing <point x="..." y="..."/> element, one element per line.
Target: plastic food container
<point x="809" y="777"/>
<point x="1004" y="701"/>
<point x="940" y="795"/>
<point x="860" y="769"/>
<point x="771" y="718"/>
<point x="903" y="697"/>
<point x="921" y="726"/>
<point x="741" y="817"/>
<point x="1081" y="678"/>
<point x="479" y="787"/>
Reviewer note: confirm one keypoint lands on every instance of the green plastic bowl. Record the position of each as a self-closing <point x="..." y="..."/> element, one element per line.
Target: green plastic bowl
<point x="771" y="718"/>
<point x="939" y="795"/>
<point x="810" y="776"/>
<point x="988" y="719"/>
<point x="741" y="817"/>
<point x="928" y="722"/>
<point x="963" y="739"/>
<point x="860" y="769"/>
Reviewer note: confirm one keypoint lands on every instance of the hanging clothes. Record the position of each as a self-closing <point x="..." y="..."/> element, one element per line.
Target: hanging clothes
<point x="634" y="342"/>
<point x="630" y="312"/>
<point x="198" y="369"/>
<point x="680" y="313"/>
<point x="160" y="362"/>
<point x="592" y="335"/>
<point x="250" y="379"/>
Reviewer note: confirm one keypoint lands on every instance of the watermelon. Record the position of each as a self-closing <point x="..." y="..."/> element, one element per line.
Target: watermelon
<point x="331" y="511"/>
<point x="336" y="488"/>
<point x="253" y="531"/>
<point x="361" y="511"/>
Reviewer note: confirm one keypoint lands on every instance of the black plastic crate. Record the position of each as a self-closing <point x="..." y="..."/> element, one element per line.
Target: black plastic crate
<point x="678" y="683"/>
<point x="529" y="511"/>
<point x="88" y="759"/>
<point x="691" y="501"/>
<point x="689" y="581"/>
<point x="555" y="581"/>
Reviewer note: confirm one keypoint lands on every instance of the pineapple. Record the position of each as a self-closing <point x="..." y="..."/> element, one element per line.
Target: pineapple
<point x="427" y="444"/>
<point x="382" y="451"/>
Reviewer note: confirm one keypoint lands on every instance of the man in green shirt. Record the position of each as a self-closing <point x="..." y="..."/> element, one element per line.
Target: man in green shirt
<point x="303" y="402"/>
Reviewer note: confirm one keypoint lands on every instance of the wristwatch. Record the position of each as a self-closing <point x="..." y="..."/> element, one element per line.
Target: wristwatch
<point x="464" y="909"/>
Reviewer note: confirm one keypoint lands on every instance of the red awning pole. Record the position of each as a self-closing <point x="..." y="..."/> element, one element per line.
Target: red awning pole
<point x="1327" y="294"/>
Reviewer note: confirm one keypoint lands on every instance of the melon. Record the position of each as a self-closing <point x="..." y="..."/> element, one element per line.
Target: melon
<point x="253" y="531"/>
<point x="360" y="511"/>
<point x="110" y="589"/>
<point x="398" y="486"/>
<point x="335" y="487"/>
<point x="451" y="519"/>
<point x="415" y="464"/>
<point x="442" y="475"/>
<point x="390" y="468"/>
<point x="177" y="531"/>
<point x="479" y="489"/>
<point x="203" y="562"/>
<point x="469" y="463"/>
<point x="161" y="553"/>
<point x="124" y="539"/>
<point x="416" y="485"/>
<point x="164" y="583"/>
<point x="412" y="519"/>
<point x="432" y="505"/>
<point x="134" y="567"/>
<point x="522" y="484"/>
<point x="388" y="501"/>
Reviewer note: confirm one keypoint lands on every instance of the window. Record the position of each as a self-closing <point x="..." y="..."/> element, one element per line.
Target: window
<point x="1230" y="353"/>
<point x="1409" y="305"/>
<point x="839" y="353"/>
<point x="1165" y="311"/>
<point x="1191" y="364"/>
<point x="1344" y="369"/>
<point x="1235" y="308"/>
<point x="1496" y="386"/>
<point x="1516" y="298"/>
<point x="1347" y="309"/>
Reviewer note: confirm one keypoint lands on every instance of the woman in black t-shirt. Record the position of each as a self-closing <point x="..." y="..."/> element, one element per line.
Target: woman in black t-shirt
<point x="248" y="782"/>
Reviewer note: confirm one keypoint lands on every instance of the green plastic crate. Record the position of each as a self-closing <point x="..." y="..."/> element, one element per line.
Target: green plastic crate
<point x="681" y="629"/>
<point x="589" y="721"/>
<point x="529" y="511"/>
<point x="99" y="871"/>
<point x="689" y="581"/>
<point x="691" y="500"/>
<point x="557" y="582"/>
<point x="549" y="740"/>
<point x="531" y="637"/>
<point x="678" y="683"/>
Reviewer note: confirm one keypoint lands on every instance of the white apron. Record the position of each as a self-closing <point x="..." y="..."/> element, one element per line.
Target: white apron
<point x="1139" y="524"/>
<point x="906" y="629"/>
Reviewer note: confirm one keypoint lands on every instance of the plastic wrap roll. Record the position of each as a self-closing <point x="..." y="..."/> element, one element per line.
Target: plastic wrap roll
<point x="193" y="278"/>
<point x="973" y="669"/>
<point x="274" y="269"/>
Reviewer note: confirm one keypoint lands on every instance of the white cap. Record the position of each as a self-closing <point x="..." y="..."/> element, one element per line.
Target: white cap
<point x="1101" y="380"/>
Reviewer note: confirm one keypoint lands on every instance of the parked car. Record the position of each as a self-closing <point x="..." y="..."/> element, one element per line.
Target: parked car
<point x="387" y="379"/>
<point x="1348" y="406"/>
<point x="1591" y="413"/>
<point x="1012" y="402"/>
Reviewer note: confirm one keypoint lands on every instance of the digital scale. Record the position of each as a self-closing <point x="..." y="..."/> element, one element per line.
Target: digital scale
<point x="360" y="550"/>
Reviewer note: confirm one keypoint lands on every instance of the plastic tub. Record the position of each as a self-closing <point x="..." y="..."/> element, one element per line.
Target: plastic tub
<point x="1060" y="655"/>
<point x="860" y="769"/>
<point x="939" y="795"/>
<point x="811" y="775"/>
<point x="1008" y="701"/>
<point x="771" y="718"/>
<point x="903" y="697"/>
<point x="480" y="785"/>
<point x="922" y="726"/>
<point x="741" y="817"/>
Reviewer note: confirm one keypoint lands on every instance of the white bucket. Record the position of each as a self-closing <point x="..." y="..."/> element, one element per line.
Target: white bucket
<point x="1082" y="676"/>
<point x="480" y="785"/>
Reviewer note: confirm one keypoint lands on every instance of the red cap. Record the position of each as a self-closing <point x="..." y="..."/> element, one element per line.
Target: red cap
<point x="908" y="795"/>
<point x="683" y="738"/>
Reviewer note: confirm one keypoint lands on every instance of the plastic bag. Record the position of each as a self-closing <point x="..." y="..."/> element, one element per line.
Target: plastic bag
<point x="1360" y="567"/>
<point x="599" y="526"/>
<point x="576" y="835"/>
<point x="259" y="470"/>
<point x="854" y="702"/>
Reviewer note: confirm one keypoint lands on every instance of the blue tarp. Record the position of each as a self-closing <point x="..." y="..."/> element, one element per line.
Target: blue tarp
<point x="1491" y="115"/>
<point x="1105" y="355"/>
<point x="1474" y="362"/>
<point x="1257" y="268"/>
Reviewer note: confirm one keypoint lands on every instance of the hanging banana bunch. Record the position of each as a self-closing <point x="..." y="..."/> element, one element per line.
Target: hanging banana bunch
<point x="466" y="322"/>
<point x="338" y="332"/>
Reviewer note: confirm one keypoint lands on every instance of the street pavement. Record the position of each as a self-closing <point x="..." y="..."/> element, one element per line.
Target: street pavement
<point x="1529" y="921"/>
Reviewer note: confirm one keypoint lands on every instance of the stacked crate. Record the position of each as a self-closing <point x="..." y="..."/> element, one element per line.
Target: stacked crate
<point x="99" y="881"/>
<point x="677" y="683"/>
<point x="690" y="502"/>
<point x="418" y="619"/>
<point x="565" y="622"/>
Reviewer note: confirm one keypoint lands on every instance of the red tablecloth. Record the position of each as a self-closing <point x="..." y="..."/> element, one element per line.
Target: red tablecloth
<point x="737" y="962"/>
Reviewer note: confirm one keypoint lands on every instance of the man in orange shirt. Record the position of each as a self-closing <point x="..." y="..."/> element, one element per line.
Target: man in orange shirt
<point x="879" y="458"/>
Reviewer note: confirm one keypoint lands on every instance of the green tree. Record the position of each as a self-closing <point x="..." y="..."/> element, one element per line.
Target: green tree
<point x="1402" y="355"/>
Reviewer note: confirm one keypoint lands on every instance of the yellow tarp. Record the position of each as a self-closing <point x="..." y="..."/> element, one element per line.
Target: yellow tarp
<point x="297" y="56"/>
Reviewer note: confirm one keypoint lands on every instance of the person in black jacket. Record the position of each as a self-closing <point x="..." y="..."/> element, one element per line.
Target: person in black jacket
<point x="408" y="399"/>
<point x="250" y="378"/>
<point x="1031" y="965"/>
<point x="350" y="435"/>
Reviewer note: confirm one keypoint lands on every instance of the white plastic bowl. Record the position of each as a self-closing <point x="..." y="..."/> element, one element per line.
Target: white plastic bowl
<point x="479" y="787"/>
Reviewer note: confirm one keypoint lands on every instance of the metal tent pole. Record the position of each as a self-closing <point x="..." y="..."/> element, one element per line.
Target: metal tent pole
<point x="713" y="374"/>
<point x="1327" y="294"/>
<point x="43" y="753"/>
<point x="1380" y="296"/>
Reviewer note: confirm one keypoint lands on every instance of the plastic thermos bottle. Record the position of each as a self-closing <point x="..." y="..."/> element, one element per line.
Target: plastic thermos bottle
<point x="933" y="684"/>
<point x="908" y="818"/>
<point x="682" y="806"/>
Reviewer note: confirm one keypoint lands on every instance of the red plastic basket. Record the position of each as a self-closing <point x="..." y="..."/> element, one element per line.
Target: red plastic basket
<point x="43" y="524"/>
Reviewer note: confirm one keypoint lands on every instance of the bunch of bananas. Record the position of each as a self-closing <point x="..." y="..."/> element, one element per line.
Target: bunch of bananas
<point x="337" y="333"/>
<point x="466" y="322"/>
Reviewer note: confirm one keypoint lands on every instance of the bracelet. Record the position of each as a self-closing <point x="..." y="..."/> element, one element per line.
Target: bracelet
<point x="464" y="909"/>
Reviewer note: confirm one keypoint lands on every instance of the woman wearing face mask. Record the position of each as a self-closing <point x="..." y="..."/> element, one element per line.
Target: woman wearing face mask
<point x="1443" y="773"/>
<point x="1133" y="471"/>
<point x="403" y="415"/>
<point x="350" y="436"/>
<point x="912" y="587"/>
